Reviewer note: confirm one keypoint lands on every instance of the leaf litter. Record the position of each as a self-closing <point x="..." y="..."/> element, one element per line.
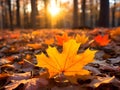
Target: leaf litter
<point x="20" y="67"/>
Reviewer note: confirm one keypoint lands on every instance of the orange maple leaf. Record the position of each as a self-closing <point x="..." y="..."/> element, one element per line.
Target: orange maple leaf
<point x="115" y="33"/>
<point x="49" y="41"/>
<point x="102" y="40"/>
<point x="68" y="62"/>
<point x="35" y="33"/>
<point x="14" y="35"/>
<point x="81" y="38"/>
<point x="62" y="39"/>
<point x="34" y="46"/>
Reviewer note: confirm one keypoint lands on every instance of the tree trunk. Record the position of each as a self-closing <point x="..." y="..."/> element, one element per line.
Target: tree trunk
<point x="1" y="16"/>
<point x="91" y="13"/>
<point x="33" y="13"/>
<point x="83" y="20"/>
<point x="104" y="13"/>
<point x="18" y="13"/>
<point x="75" y="14"/>
<point x="119" y="18"/>
<point x="113" y="14"/>
<point x="10" y="14"/>
<point x="96" y="17"/>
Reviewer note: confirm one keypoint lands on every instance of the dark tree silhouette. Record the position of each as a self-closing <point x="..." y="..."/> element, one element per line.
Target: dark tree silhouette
<point x="10" y="14"/>
<point x="33" y="13"/>
<point x="91" y="13"/>
<point x="83" y="15"/>
<point x="1" y="16"/>
<point x="75" y="14"/>
<point x="104" y="14"/>
<point x="113" y="14"/>
<point x="18" y="13"/>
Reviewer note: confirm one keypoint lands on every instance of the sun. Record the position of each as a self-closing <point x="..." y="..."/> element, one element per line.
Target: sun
<point x="53" y="8"/>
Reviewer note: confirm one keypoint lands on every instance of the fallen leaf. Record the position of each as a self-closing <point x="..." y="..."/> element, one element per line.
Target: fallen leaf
<point x="28" y="56"/>
<point x="10" y="58"/>
<point x="4" y="61"/>
<point x="114" y="60"/>
<point x="108" y="86"/>
<point x="102" y="40"/>
<point x="49" y="41"/>
<point x="68" y="62"/>
<point x="81" y="38"/>
<point x="19" y="76"/>
<point x="115" y="34"/>
<point x="30" y="84"/>
<point x="104" y="80"/>
<point x="14" y="85"/>
<point x="70" y="87"/>
<point x="35" y="83"/>
<point x="62" y="39"/>
<point x="7" y="68"/>
<point x="3" y="79"/>
<point x="35" y="33"/>
<point x="15" y="35"/>
<point x="4" y="76"/>
<point x="34" y="46"/>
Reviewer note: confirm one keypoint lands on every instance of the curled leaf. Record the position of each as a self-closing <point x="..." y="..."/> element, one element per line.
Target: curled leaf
<point x="105" y="80"/>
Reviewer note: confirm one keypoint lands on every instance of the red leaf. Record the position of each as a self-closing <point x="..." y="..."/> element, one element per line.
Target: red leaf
<point x="102" y="40"/>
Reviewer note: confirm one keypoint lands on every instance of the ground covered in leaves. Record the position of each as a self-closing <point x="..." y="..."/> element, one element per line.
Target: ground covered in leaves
<point x="20" y="51"/>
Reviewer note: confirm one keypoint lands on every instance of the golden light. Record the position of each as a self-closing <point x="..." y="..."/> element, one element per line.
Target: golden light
<point x="28" y="8"/>
<point x="40" y="5"/>
<point x="64" y="1"/>
<point x="53" y="8"/>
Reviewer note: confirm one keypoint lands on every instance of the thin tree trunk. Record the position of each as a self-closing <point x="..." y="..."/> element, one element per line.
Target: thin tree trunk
<point x="91" y="13"/>
<point x="1" y="16"/>
<point x="75" y="14"/>
<point x="119" y="18"/>
<point x="5" y="17"/>
<point x="113" y="14"/>
<point x="104" y="13"/>
<point x="83" y="20"/>
<point x="18" y="13"/>
<point x="10" y="14"/>
<point x="33" y="14"/>
<point x="96" y="17"/>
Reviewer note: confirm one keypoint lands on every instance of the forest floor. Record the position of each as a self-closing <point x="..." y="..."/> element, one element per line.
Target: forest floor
<point x="19" y="68"/>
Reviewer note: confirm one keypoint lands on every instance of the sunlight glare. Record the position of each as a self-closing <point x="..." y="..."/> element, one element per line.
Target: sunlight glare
<point x="53" y="8"/>
<point x="28" y="8"/>
<point x="64" y="1"/>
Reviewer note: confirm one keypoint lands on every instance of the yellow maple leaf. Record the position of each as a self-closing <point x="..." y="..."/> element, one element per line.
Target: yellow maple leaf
<point x="81" y="38"/>
<point x="68" y="62"/>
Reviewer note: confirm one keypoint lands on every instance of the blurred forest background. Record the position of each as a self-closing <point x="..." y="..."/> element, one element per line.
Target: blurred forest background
<point x="75" y="14"/>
